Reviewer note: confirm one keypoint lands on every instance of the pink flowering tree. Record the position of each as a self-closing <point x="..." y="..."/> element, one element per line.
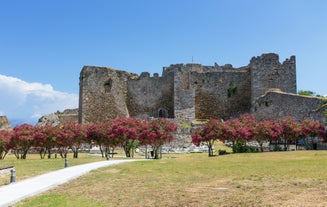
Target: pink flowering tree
<point x="127" y="132"/>
<point x="74" y="135"/>
<point x="63" y="140"/>
<point x="248" y="124"/>
<point x="291" y="131"/>
<point x="95" y="135"/>
<point x="159" y="132"/>
<point x="266" y="131"/>
<point x="208" y="134"/>
<point x="229" y="130"/>
<point x="5" y="136"/>
<point x="239" y="131"/>
<point x="22" y="140"/>
<point x="111" y="141"/>
<point x="312" y="132"/>
<point x="102" y="135"/>
<point x="45" y="138"/>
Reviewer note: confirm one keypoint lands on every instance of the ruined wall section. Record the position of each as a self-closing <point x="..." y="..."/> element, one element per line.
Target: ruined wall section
<point x="276" y="104"/>
<point x="68" y="115"/>
<point x="148" y="95"/>
<point x="320" y="113"/>
<point x="267" y="72"/>
<point x="103" y="94"/>
<point x="203" y="92"/>
<point x="4" y="123"/>
<point x="222" y="95"/>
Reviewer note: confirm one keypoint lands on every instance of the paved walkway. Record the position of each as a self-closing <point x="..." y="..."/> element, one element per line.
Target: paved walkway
<point x="12" y="193"/>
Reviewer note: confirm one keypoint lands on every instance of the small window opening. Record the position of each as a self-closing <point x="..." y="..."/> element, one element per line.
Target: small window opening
<point x="108" y="85"/>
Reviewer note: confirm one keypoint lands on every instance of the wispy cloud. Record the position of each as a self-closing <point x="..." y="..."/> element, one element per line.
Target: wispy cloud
<point x="29" y="101"/>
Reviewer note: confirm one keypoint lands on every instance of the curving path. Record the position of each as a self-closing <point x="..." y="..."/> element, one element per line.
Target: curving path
<point x="12" y="193"/>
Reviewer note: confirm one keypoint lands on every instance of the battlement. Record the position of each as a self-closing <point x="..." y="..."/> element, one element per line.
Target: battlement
<point x="198" y="68"/>
<point x="270" y="59"/>
<point x="146" y="75"/>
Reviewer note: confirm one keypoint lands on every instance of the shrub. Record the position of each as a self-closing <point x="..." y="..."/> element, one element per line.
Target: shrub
<point x="241" y="148"/>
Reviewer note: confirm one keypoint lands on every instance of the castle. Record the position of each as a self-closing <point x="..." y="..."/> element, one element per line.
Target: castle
<point x="193" y="91"/>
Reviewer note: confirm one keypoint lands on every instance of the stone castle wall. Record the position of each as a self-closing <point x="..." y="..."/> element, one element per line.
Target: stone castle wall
<point x="276" y="104"/>
<point x="267" y="72"/>
<point x="68" y="115"/>
<point x="146" y="96"/>
<point x="222" y="95"/>
<point x="183" y="92"/>
<point x="103" y="94"/>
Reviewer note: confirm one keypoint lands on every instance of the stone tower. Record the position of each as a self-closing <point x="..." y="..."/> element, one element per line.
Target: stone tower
<point x="103" y="94"/>
<point x="267" y="72"/>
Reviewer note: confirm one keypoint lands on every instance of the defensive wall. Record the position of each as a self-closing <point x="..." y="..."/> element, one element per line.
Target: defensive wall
<point x="275" y="104"/>
<point x="184" y="92"/>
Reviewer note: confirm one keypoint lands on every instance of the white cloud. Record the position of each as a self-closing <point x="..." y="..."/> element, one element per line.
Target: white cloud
<point x="29" y="101"/>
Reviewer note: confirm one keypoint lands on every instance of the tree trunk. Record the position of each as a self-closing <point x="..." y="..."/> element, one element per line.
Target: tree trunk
<point x="42" y="153"/>
<point x="127" y="150"/>
<point x="75" y="155"/>
<point x="156" y="154"/>
<point x="24" y="153"/>
<point x="112" y="151"/>
<point x="49" y="153"/>
<point x="17" y="153"/>
<point x="285" y="145"/>
<point x="101" y="151"/>
<point x="210" y="151"/>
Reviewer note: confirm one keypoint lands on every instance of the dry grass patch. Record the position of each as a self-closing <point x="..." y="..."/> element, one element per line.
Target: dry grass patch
<point x="261" y="179"/>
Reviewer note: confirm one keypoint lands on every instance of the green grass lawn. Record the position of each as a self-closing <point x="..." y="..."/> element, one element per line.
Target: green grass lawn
<point x="33" y="165"/>
<point x="297" y="178"/>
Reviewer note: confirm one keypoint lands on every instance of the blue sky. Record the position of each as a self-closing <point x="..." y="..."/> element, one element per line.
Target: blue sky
<point x="45" y="44"/>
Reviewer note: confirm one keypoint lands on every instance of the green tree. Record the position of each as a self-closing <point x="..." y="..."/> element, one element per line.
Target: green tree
<point x="306" y="93"/>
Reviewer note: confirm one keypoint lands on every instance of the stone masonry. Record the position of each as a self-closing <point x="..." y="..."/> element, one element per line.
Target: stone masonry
<point x="4" y="123"/>
<point x="184" y="92"/>
<point x="68" y="115"/>
<point x="275" y="104"/>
